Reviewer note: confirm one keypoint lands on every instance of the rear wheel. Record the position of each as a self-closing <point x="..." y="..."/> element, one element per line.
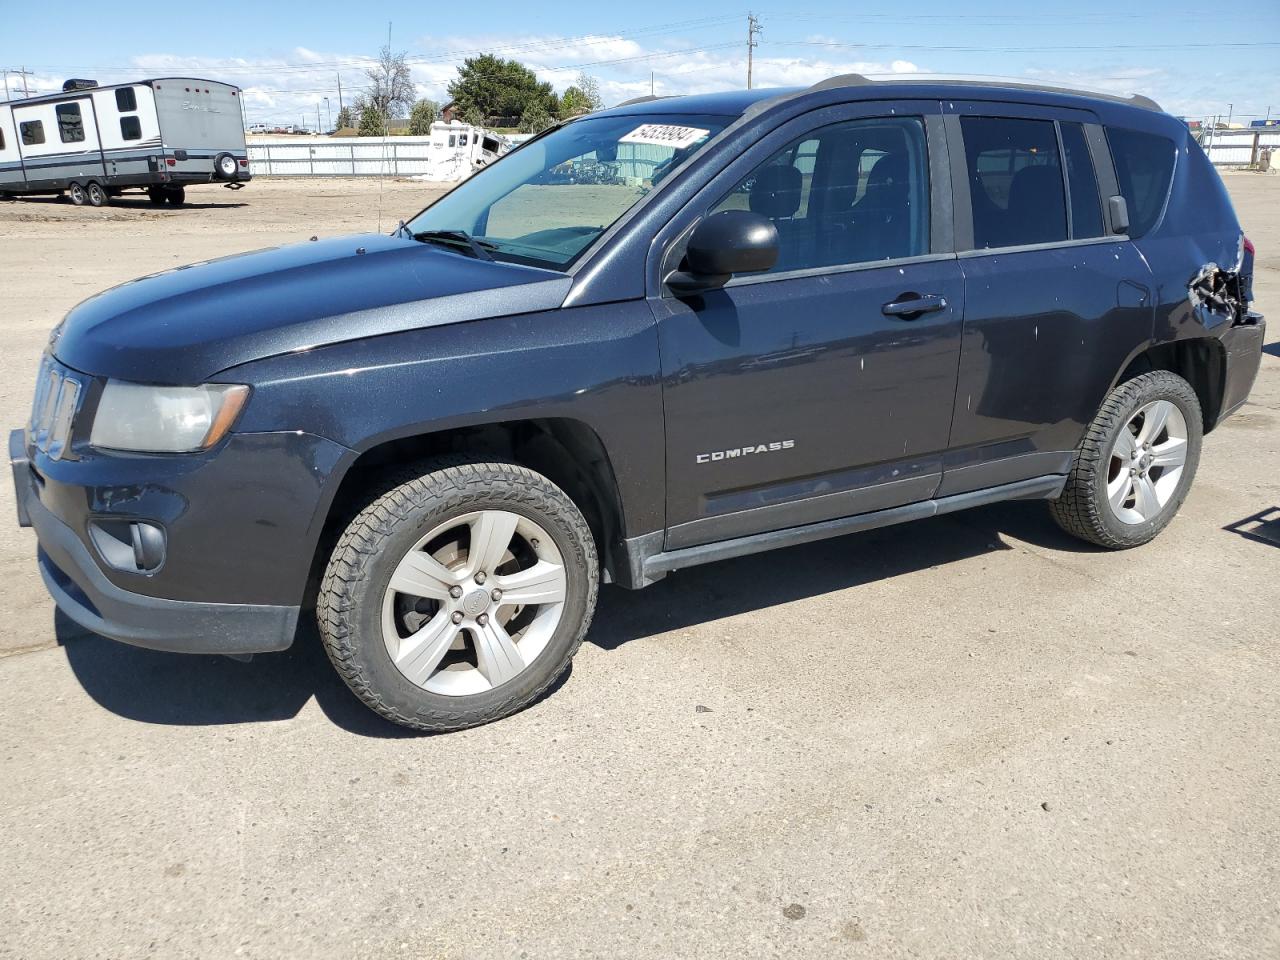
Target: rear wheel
<point x="459" y="596"/>
<point x="1136" y="463"/>
<point x="156" y="195"/>
<point x="97" y="196"/>
<point x="79" y="196"/>
<point x="176" y="196"/>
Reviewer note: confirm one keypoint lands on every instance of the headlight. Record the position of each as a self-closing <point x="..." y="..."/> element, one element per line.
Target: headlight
<point x="147" y="419"/>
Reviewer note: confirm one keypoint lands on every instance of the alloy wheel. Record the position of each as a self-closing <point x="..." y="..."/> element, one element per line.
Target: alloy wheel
<point x="474" y="603"/>
<point x="1147" y="461"/>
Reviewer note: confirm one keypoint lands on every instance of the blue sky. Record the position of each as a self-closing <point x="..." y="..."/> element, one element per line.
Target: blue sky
<point x="1195" y="60"/>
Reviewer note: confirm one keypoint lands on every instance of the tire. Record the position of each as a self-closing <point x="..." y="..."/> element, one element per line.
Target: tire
<point x="224" y="166"/>
<point x="156" y="195"/>
<point x="367" y="622"/>
<point x="97" y="195"/>
<point x="175" y="196"/>
<point x="1118" y="507"/>
<point x="79" y="196"/>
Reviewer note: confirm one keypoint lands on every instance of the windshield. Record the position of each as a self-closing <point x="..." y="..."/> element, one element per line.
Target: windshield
<point x="546" y="202"/>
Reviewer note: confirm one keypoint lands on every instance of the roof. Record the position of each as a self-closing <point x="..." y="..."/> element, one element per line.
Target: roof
<point x="86" y="91"/>
<point x="858" y="87"/>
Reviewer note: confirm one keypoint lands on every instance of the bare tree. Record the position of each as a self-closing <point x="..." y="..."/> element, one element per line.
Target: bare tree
<point x="390" y="91"/>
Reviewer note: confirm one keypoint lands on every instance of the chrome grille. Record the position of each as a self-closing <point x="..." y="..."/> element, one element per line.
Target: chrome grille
<point x="53" y="411"/>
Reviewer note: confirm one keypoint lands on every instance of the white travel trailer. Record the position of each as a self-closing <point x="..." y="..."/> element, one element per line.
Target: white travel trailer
<point x="92" y="142"/>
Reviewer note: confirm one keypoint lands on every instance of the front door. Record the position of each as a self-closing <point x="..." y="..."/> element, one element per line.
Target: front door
<point x="824" y="387"/>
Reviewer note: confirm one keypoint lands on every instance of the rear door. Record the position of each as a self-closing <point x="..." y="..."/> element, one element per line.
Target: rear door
<point x="10" y="160"/>
<point x="803" y="394"/>
<point x="1055" y="302"/>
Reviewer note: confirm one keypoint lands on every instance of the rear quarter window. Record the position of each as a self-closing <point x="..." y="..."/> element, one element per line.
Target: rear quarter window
<point x="1144" y="168"/>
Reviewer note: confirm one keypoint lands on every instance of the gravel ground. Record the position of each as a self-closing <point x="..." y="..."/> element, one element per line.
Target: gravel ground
<point x="966" y="737"/>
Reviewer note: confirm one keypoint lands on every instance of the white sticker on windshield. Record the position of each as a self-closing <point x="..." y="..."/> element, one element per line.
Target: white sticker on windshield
<point x="665" y="135"/>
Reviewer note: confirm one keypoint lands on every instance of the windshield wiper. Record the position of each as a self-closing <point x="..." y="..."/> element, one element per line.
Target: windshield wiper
<point x="456" y="238"/>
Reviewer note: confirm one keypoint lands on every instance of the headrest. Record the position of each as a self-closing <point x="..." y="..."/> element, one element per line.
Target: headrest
<point x="776" y="192"/>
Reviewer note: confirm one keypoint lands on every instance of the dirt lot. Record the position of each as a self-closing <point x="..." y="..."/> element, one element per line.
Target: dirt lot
<point x="969" y="736"/>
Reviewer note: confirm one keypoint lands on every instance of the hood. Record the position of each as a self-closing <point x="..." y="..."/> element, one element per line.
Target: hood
<point x="185" y="325"/>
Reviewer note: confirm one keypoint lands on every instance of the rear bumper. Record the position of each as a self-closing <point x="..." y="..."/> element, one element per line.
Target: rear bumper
<point x="1243" y="343"/>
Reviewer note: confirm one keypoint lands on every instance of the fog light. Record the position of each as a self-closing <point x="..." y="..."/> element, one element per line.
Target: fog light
<point x="133" y="546"/>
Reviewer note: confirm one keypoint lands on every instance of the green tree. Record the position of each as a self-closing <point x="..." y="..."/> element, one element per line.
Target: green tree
<point x="496" y="88"/>
<point x="373" y="123"/>
<point x="535" y="119"/>
<point x="421" y="117"/>
<point x="582" y="97"/>
<point x="345" y="119"/>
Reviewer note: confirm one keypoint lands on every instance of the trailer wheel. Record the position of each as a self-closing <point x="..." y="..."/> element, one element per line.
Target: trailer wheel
<point x="97" y="196"/>
<point x="78" y="195"/>
<point x="176" y="196"/>
<point x="156" y="196"/>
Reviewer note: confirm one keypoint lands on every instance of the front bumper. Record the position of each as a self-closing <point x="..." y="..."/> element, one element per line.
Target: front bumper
<point x="241" y="531"/>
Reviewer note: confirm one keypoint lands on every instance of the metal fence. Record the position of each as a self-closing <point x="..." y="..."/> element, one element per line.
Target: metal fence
<point x="356" y="157"/>
<point x="1230" y="148"/>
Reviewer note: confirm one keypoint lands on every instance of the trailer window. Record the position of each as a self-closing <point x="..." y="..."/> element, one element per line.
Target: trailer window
<point x="130" y="128"/>
<point x="1" y="139"/>
<point x="126" y="102"/>
<point x="32" y="133"/>
<point x="70" y="123"/>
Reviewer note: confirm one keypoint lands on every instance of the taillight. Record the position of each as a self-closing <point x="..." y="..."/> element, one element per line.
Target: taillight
<point x="1248" y="247"/>
<point x="171" y="162"/>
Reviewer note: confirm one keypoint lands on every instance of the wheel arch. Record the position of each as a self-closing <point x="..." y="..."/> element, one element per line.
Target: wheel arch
<point x="1201" y="361"/>
<point x="568" y="452"/>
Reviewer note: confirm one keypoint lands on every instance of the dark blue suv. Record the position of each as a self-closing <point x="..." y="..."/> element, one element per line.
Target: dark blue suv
<point x="664" y="334"/>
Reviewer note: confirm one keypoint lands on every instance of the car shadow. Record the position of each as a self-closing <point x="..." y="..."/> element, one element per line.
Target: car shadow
<point x="1272" y="348"/>
<point x="182" y="689"/>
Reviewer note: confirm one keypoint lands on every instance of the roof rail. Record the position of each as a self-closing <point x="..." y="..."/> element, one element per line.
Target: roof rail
<point x="634" y="100"/>
<point x="858" y="80"/>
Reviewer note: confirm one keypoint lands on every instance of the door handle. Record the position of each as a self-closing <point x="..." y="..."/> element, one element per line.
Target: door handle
<point x="908" y="306"/>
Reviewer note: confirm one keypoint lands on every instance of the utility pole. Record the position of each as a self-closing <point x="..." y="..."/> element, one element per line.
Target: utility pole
<point x="6" y="84"/>
<point x="1231" y="109"/>
<point x="329" y="112"/>
<point x="22" y="72"/>
<point x="753" y="31"/>
<point x="317" y="116"/>
<point x="340" y="108"/>
<point x="651" y="83"/>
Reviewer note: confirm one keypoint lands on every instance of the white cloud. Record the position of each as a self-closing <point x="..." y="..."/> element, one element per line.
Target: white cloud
<point x="287" y="88"/>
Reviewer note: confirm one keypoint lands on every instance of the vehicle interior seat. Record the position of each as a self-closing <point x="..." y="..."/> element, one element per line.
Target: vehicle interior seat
<point x="881" y="218"/>
<point x="776" y="194"/>
<point x="1037" y="211"/>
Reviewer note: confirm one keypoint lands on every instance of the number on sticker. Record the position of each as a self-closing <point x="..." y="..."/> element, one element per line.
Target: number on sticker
<point x="665" y="135"/>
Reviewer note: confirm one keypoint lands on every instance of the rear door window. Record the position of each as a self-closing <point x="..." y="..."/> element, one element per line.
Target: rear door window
<point x="1082" y="183"/>
<point x="1144" y="167"/>
<point x="1015" y="181"/>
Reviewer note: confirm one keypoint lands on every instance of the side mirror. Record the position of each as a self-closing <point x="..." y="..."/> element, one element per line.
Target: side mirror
<point x="725" y="243"/>
<point x="1119" y="211"/>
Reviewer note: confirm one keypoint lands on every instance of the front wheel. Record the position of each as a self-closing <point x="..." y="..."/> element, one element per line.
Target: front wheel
<point x="1135" y="464"/>
<point x="459" y="596"/>
<point x="97" y="195"/>
<point x="79" y="196"/>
